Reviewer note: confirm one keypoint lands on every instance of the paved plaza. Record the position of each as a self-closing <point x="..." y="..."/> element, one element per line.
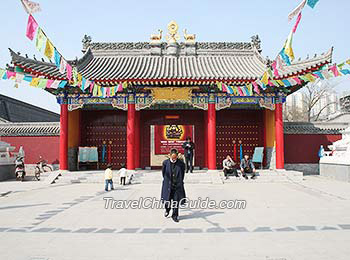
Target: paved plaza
<point x="281" y="221"/>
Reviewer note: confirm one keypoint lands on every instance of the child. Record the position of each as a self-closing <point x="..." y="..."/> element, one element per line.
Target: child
<point x="109" y="177"/>
<point x="122" y="173"/>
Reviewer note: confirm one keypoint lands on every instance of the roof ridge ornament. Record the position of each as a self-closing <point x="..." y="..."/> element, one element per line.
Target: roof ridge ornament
<point x="156" y="38"/>
<point x="256" y="42"/>
<point x="86" y="42"/>
<point x="189" y="38"/>
<point x="172" y="35"/>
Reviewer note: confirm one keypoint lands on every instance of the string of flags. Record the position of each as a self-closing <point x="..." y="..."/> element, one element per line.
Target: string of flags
<point x="43" y="83"/>
<point x="45" y="45"/>
<point x="324" y="73"/>
<point x="286" y="56"/>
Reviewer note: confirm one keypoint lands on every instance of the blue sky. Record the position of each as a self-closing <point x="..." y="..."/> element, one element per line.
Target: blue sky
<point x="66" y="22"/>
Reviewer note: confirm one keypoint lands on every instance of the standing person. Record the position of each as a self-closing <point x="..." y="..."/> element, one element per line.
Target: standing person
<point x="188" y="147"/>
<point x="228" y="165"/>
<point x="173" y="191"/>
<point x="108" y="177"/>
<point x="247" y="166"/>
<point x="122" y="174"/>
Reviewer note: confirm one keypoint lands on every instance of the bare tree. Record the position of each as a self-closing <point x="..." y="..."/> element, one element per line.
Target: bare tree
<point x="313" y="93"/>
<point x="294" y="114"/>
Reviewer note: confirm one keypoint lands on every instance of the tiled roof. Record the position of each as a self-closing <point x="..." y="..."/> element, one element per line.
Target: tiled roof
<point x="313" y="128"/>
<point x="14" y="110"/>
<point x="30" y="129"/>
<point x="204" y="61"/>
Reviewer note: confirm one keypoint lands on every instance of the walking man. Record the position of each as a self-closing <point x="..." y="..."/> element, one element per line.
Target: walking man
<point x="173" y="191"/>
<point x="188" y="147"/>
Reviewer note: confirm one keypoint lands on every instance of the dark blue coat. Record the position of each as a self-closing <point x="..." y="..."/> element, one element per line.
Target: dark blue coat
<point x="166" y="186"/>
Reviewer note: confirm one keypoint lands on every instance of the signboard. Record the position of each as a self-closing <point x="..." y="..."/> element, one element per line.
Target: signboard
<point x="167" y="137"/>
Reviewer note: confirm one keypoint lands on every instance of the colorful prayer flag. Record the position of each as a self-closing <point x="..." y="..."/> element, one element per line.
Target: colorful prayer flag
<point x="120" y="88"/>
<point x="224" y="88"/>
<point x="240" y="91"/>
<point x="34" y="82"/>
<point x="334" y="69"/>
<point x="62" y="84"/>
<point x="30" y="6"/>
<point x="297" y="10"/>
<point x="57" y="59"/>
<point x="297" y="22"/>
<point x="42" y="83"/>
<point x="19" y="77"/>
<point x="256" y="87"/>
<point x="265" y="78"/>
<point x="112" y="92"/>
<point x="310" y="77"/>
<point x="10" y="74"/>
<point x="40" y="39"/>
<point x="49" y="49"/>
<point x="69" y="71"/>
<point x="2" y="73"/>
<point x="229" y="90"/>
<point x="288" y="50"/>
<point x="55" y="84"/>
<point x="345" y="71"/>
<point x="286" y="82"/>
<point x="27" y="78"/>
<point x="312" y="3"/>
<point x="49" y="83"/>
<point x="63" y="66"/>
<point x="285" y="57"/>
<point x="32" y="25"/>
<point x="95" y="90"/>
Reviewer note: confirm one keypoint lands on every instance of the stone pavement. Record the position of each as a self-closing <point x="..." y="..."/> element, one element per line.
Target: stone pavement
<point x="289" y="220"/>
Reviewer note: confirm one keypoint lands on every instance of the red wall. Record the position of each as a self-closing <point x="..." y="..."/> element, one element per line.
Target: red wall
<point x="299" y="148"/>
<point x="303" y="148"/>
<point x="34" y="146"/>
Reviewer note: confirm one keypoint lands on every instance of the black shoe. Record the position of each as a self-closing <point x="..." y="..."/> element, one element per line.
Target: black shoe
<point x="246" y="177"/>
<point x="175" y="218"/>
<point x="253" y="177"/>
<point x="166" y="214"/>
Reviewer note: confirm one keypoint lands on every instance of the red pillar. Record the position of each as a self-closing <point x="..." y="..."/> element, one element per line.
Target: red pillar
<point x="130" y="133"/>
<point x="279" y="137"/>
<point x="64" y="137"/>
<point x="137" y="140"/>
<point x="205" y="127"/>
<point x="211" y="123"/>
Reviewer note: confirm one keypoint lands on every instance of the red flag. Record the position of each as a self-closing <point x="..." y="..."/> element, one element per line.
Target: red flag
<point x="31" y="27"/>
<point x="234" y="152"/>
<point x="297" y="22"/>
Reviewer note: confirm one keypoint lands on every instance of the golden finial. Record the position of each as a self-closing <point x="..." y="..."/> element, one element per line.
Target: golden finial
<point x="172" y="35"/>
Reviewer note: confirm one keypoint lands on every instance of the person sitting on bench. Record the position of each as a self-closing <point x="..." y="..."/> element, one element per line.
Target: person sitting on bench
<point x="228" y="165"/>
<point x="247" y="166"/>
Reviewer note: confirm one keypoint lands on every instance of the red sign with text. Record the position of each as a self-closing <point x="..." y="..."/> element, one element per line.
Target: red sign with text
<point x="167" y="137"/>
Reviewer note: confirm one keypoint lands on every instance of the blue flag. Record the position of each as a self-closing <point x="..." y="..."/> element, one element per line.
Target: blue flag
<point x="312" y="3"/>
<point x="240" y="151"/>
<point x="57" y="59"/>
<point x="103" y="155"/>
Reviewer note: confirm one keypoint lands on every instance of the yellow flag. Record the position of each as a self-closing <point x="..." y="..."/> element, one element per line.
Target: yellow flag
<point x="99" y="93"/>
<point x="125" y="84"/>
<point x="49" y="49"/>
<point x="112" y="91"/>
<point x="280" y="82"/>
<point x="288" y="47"/>
<point x="34" y="82"/>
<point x="265" y="78"/>
<point x="348" y="61"/>
<point x="309" y="77"/>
